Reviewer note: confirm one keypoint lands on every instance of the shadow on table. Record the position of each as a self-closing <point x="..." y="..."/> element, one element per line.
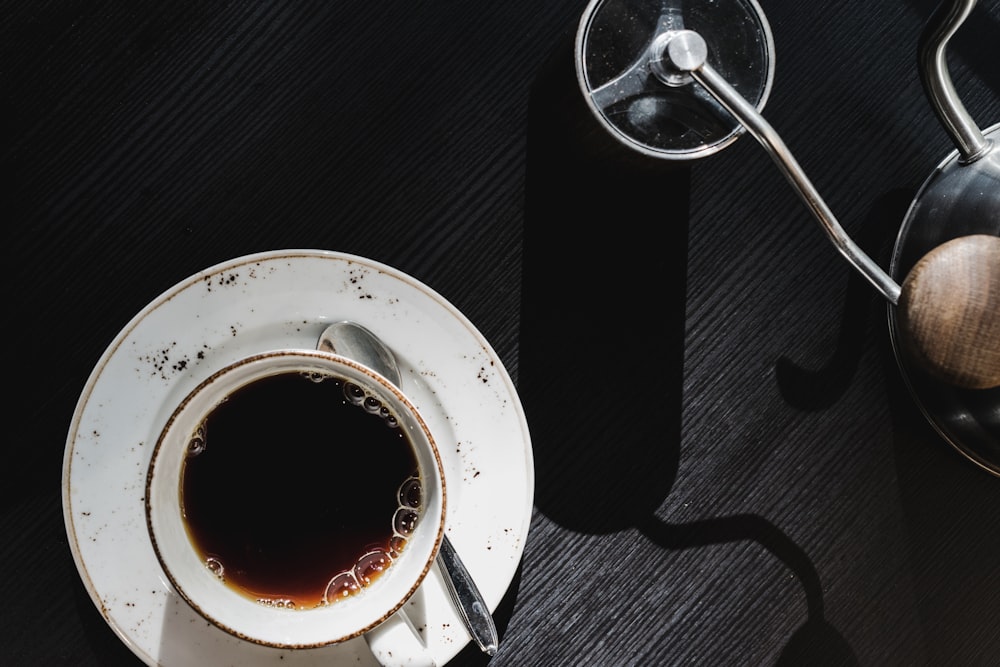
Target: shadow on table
<point x="605" y="248"/>
<point x="605" y="265"/>
<point x="813" y="389"/>
<point x="950" y="507"/>
<point x="816" y="642"/>
<point x="951" y="510"/>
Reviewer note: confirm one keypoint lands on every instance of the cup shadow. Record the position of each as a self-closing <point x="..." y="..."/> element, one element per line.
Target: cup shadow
<point x="581" y="287"/>
<point x="593" y="442"/>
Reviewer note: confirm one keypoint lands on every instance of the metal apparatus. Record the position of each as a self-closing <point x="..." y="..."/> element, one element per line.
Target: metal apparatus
<point x="682" y="80"/>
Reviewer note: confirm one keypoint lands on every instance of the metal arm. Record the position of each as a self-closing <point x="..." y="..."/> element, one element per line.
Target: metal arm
<point x="966" y="135"/>
<point x="687" y="52"/>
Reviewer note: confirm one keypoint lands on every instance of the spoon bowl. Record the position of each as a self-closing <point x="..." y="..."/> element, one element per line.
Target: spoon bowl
<point x="354" y="341"/>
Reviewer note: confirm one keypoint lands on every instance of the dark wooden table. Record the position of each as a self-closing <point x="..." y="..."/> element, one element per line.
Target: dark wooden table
<point x="729" y="470"/>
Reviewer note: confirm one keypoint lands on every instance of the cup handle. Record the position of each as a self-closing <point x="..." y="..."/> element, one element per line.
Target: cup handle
<point x="397" y="643"/>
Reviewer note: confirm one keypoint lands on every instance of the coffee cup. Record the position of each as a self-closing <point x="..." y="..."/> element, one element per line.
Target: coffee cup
<point x="296" y="499"/>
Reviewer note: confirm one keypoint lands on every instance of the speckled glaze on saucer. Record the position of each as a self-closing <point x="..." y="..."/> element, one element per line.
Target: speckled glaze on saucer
<point x="285" y="299"/>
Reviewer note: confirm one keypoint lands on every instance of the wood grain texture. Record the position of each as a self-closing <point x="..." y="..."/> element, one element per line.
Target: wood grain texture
<point x="751" y="486"/>
<point x="949" y="312"/>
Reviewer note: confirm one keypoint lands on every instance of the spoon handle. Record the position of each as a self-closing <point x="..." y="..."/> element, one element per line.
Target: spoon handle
<point x="468" y="599"/>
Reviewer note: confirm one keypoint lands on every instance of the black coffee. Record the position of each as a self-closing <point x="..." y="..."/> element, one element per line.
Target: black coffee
<point x="298" y="490"/>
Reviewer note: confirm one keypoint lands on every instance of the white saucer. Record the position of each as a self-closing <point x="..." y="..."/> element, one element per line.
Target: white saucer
<point x="285" y="299"/>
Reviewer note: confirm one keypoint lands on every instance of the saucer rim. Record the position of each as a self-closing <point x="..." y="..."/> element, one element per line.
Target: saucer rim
<point x="340" y="260"/>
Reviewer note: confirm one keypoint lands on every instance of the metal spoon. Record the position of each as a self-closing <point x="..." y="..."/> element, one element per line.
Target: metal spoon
<point x="354" y="341"/>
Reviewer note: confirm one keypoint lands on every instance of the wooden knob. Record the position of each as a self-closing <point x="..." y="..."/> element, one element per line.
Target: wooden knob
<point x="949" y="312"/>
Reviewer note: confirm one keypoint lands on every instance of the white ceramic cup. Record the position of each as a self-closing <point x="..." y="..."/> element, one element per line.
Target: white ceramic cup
<point x="375" y="611"/>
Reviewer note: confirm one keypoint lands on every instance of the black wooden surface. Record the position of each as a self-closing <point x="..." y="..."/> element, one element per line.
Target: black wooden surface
<point x="729" y="470"/>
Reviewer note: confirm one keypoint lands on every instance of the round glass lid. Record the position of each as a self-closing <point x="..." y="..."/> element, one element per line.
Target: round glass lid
<point x="619" y="64"/>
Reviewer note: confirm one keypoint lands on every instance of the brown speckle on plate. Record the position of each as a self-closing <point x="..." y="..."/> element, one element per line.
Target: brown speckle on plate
<point x="165" y="362"/>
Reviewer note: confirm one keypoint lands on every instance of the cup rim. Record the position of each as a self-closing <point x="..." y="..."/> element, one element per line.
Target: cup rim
<point x="257" y="366"/>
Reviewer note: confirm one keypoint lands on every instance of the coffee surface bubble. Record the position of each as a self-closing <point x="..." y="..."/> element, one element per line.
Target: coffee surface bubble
<point x="196" y="445"/>
<point x="216" y="567"/>
<point x="409" y="493"/>
<point x="374" y="562"/>
<point x="287" y="480"/>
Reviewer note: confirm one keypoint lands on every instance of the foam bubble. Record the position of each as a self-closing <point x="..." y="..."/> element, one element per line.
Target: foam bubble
<point x="396" y="545"/>
<point x="404" y="521"/>
<point x="314" y="376"/>
<point x="282" y="603"/>
<point x="341" y="586"/>
<point x="216" y="567"/>
<point x="376" y="559"/>
<point x="409" y="493"/>
<point x="196" y="445"/>
<point x="353" y="393"/>
<point x="371" y="565"/>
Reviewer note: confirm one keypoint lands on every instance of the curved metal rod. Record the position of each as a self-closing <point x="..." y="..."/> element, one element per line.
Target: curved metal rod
<point x="933" y="62"/>
<point x="687" y="52"/>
